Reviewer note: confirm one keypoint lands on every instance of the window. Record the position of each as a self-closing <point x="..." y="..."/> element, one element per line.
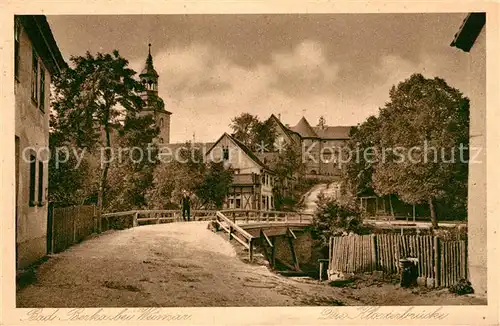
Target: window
<point x="17" y="45"/>
<point x="42" y="89"/>
<point x="161" y="122"/>
<point x="34" y="77"/>
<point x="40" y="183"/>
<point x="32" y="179"/>
<point x="225" y="153"/>
<point x="238" y="203"/>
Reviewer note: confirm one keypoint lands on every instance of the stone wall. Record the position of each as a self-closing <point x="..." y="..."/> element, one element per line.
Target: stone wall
<point x="302" y="245"/>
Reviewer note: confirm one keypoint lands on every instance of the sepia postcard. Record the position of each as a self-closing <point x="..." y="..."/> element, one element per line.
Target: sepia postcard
<point x="249" y="162"/>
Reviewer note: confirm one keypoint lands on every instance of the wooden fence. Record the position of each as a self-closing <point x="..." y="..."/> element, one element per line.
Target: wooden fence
<point x="69" y="225"/>
<point x="440" y="263"/>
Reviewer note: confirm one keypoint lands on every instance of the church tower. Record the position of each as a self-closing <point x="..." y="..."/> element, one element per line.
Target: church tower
<point x="154" y="104"/>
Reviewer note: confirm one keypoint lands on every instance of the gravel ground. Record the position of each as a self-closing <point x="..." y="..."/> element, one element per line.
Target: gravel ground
<point x="186" y="265"/>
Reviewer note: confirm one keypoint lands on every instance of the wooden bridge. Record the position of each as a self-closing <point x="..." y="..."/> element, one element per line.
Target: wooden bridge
<point x="247" y="227"/>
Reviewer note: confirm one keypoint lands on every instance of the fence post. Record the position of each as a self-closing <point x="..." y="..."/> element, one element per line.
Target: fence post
<point x="135" y="222"/>
<point x="52" y="236"/>
<point x="73" y="217"/>
<point x="250" y="250"/>
<point x="247" y="216"/>
<point x="300" y="218"/>
<point x="374" y="251"/>
<point x="437" y="267"/>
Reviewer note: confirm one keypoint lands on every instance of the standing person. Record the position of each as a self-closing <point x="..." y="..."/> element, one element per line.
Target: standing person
<point x="186" y="206"/>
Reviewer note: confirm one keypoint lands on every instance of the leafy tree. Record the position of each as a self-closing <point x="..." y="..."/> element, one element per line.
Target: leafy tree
<point x="215" y="185"/>
<point x="255" y="134"/>
<point x="132" y="174"/>
<point x="70" y="181"/>
<point x="357" y="171"/>
<point x="422" y="111"/>
<point x="89" y="100"/>
<point x="336" y="216"/>
<point x="243" y="126"/>
<point x="185" y="172"/>
<point x="166" y="186"/>
<point x="290" y="170"/>
<point x="264" y="136"/>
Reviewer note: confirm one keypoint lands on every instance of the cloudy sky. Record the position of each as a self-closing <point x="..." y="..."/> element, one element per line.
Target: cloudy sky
<point x="214" y="67"/>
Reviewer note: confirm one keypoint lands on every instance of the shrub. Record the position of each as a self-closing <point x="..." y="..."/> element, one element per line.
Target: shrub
<point x="336" y="216"/>
<point x="462" y="287"/>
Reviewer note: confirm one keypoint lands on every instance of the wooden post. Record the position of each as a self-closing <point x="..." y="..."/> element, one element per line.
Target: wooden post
<point x="437" y="267"/>
<point x="135" y="222"/>
<point x="294" y="255"/>
<point x="320" y="270"/>
<point x="300" y="218"/>
<point x="273" y="251"/>
<point x="247" y="216"/>
<point x="230" y="233"/>
<point x="250" y="250"/>
<point x="374" y="251"/>
<point x="390" y="204"/>
<point x="263" y="243"/>
<point x="52" y="240"/>
<point x="413" y="213"/>
<point x="73" y="217"/>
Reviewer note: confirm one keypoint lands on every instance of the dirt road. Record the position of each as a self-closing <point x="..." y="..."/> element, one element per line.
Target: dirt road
<point x="177" y="264"/>
<point x="312" y="195"/>
<point x="180" y="264"/>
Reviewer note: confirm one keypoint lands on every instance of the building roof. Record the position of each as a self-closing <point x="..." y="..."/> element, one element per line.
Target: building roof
<point x="469" y="31"/>
<point x="245" y="150"/>
<point x="304" y="129"/>
<point x="333" y="132"/>
<point x="40" y="34"/>
<point x="285" y="129"/>
<point x="174" y="147"/>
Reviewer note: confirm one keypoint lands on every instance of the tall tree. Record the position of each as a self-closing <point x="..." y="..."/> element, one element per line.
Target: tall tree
<point x="243" y="126"/>
<point x="263" y="136"/>
<point x="431" y="116"/>
<point x="132" y="174"/>
<point x="186" y="171"/>
<point x="357" y="171"/>
<point x="289" y="169"/>
<point x="255" y="134"/>
<point x="215" y="185"/>
<point x="89" y="100"/>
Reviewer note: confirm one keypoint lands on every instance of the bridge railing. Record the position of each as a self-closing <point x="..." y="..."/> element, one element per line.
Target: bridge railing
<point x="132" y="218"/>
<point x="235" y="232"/>
<point x="122" y="220"/>
<point x="248" y="216"/>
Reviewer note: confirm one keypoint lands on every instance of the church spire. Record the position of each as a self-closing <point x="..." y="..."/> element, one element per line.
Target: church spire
<point x="149" y="74"/>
